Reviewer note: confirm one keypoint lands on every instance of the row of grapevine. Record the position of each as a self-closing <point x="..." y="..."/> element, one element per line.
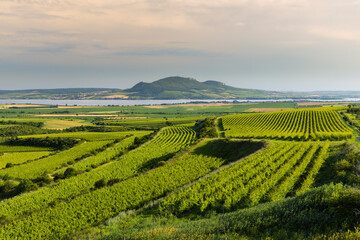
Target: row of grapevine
<point x="51" y="163"/>
<point x="292" y="124"/>
<point x="21" y="157"/>
<point x="106" y="156"/>
<point x="123" y="168"/>
<point x="68" y="217"/>
<point x="288" y="182"/>
<point x="268" y="175"/>
<point x="311" y="173"/>
<point x="9" y="149"/>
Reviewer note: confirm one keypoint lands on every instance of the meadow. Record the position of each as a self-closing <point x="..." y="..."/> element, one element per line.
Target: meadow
<point x="195" y="171"/>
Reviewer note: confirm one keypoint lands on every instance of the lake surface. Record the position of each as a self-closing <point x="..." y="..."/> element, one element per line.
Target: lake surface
<point x="155" y="102"/>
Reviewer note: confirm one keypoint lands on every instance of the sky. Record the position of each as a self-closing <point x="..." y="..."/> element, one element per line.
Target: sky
<point x="295" y="45"/>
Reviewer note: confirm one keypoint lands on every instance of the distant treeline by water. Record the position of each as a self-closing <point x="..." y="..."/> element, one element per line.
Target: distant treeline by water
<point x="156" y="102"/>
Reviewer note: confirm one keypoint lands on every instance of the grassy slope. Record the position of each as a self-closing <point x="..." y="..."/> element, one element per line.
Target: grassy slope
<point x="319" y="212"/>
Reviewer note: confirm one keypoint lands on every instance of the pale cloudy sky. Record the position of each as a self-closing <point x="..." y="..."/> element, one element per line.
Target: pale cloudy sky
<point x="265" y="44"/>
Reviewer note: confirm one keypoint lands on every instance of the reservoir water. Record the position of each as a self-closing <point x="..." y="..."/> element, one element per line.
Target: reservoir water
<point x="155" y="102"/>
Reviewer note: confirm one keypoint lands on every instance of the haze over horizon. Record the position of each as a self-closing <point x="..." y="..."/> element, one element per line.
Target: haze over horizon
<point x="284" y="45"/>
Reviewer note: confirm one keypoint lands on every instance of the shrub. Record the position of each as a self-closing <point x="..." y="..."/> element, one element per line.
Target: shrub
<point x="26" y="185"/>
<point x="42" y="180"/>
<point x="9" y="165"/>
<point x="342" y="165"/>
<point x="69" y="172"/>
<point x="9" y="185"/>
<point x="100" y="183"/>
<point x="113" y="181"/>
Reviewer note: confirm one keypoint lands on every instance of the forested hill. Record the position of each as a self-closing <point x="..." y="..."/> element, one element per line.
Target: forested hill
<point x="170" y="88"/>
<point x="180" y="87"/>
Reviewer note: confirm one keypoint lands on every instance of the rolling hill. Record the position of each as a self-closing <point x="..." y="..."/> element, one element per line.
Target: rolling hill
<point x="180" y="87"/>
<point x="171" y="88"/>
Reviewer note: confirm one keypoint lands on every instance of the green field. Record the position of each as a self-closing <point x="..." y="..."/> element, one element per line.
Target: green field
<point x="206" y="171"/>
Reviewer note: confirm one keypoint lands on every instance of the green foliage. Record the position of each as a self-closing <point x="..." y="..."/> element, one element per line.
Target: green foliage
<point x="4" y="148"/>
<point x="43" y="180"/>
<point x="69" y="172"/>
<point x="294" y="125"/>
<point x="27" y="123"/>
<point x="96" y="206"/>
<point x="18" y="130"/>
<point x="51" y="163"/>
<point x="168" y="140"/>
<point x="9" y="165"/>
<point x="148" y="123"/>
<point x="12" y="159"/>
<point x="8" y="186"/>
<point x="157" y="173"/>
<point x="26" y="185"/>
<point x="342" y="165"/>
<point x="111" y="152"/>
<point x="96" y="129"/>
<point x="268" y="175"/>
<point x="205" y="128"/>
<point x="316" y="214"/>
<point x="57" y="143"/>
<point x="100" y="183"/>
<point x="113" y="181"/>
<point x="88" y="136"/>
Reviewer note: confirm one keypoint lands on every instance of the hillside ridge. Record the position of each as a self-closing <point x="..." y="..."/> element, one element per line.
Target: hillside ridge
<point x="174" y="87"/>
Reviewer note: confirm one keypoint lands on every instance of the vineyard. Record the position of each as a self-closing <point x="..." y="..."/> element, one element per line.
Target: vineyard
<point x="297" y="125"/>
<point x="122" y="168"/>
<point x="92" y="208"/>
<point x="20" y="157"/>
<point x="51" y="163"/>
<point x="280" y="170"/>
<point x="203" y="170"/>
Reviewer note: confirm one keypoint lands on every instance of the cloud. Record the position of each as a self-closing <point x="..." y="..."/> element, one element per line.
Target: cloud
<point x="166" y="52"/>
<point x="297" y="43"/>
<point x="50" y="48"/>
<point x="178" y="42"/>
<point x="140" y="33"/>
<point x="4" y="14"/>
<point x="47" y="33"/>
<point x="240" y="24"/>
<point x="335" y="33"/>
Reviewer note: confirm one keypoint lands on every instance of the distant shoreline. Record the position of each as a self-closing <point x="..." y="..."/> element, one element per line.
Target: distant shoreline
<point x="159" y="102"/>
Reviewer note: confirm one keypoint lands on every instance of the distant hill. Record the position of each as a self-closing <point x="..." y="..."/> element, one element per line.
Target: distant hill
<point x="180" y="87"/>
<point x="171" y="88"/>
<point x="60" y="93"/>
